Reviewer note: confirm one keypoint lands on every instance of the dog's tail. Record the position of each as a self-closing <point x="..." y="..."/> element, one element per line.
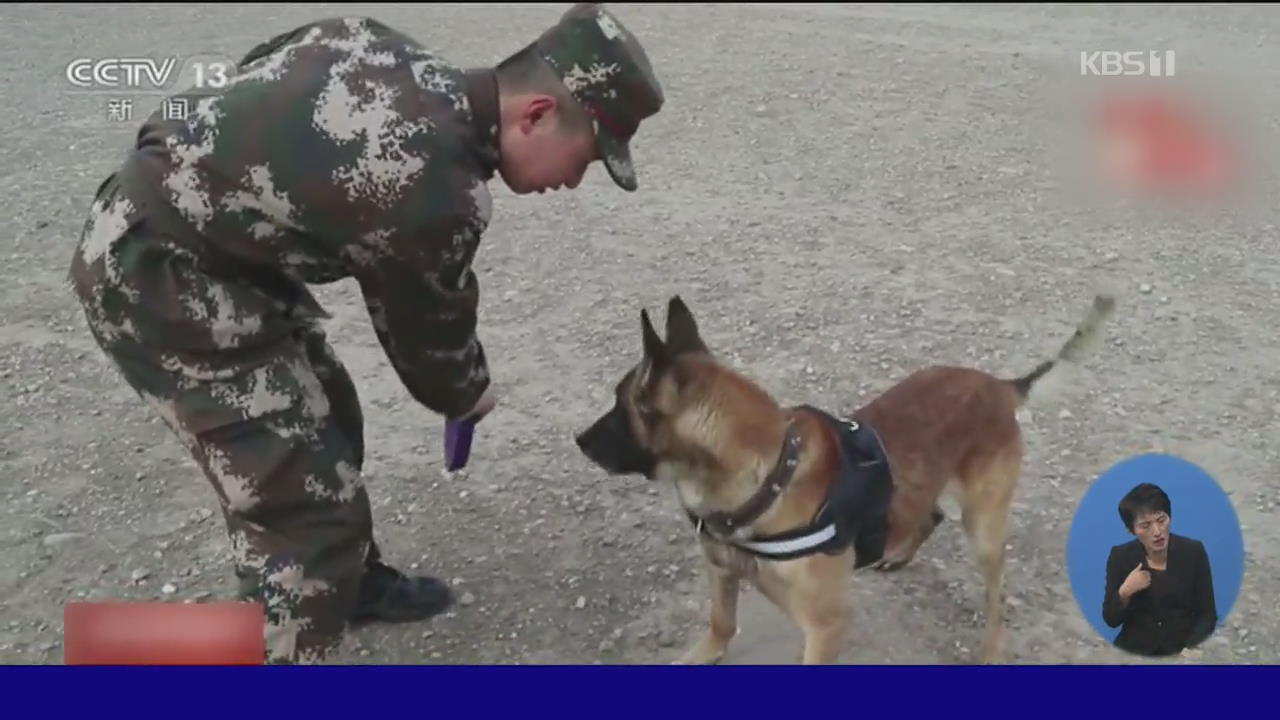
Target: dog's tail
<point x="1087" y="337"/>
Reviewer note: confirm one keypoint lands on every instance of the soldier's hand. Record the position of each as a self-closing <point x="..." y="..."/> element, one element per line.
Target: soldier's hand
<point x="483" y="406"/>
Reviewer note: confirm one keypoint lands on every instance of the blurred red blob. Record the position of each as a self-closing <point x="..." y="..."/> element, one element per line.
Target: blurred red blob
<point x="1156" y="143"/>
<point x="154" y="633"/>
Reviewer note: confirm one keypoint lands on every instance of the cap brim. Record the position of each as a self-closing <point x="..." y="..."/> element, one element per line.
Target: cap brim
<point x="616" y="155"/>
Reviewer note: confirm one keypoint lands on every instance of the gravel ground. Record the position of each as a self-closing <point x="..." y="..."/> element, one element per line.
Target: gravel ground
<point x="842" y="194"/>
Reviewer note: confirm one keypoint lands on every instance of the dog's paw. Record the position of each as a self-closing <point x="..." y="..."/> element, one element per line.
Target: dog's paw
<point x="993" y="658"/>
<point x="890" y="565"/>
<point x="691" y="659"/>
<point x="994" y="648"/>
<point x="701" y="655"/>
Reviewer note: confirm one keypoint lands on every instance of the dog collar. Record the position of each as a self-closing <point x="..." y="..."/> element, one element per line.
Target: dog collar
<point x="726" y="524"/>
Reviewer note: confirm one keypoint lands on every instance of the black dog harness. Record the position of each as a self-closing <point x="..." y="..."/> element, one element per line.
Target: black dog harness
<point x="856" y="509"/>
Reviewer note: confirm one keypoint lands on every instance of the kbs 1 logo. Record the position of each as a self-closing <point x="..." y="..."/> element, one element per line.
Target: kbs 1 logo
<point x="1149" y="63"/>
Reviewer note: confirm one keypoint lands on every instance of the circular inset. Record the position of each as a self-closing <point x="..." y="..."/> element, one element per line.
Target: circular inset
<point x="1155" y="555"/>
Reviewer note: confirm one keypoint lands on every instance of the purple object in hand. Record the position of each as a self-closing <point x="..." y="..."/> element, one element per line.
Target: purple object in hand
<point x="457" y="443"/>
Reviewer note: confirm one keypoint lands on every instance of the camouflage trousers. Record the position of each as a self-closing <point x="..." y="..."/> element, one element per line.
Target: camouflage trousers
<point x="257" y="397"/>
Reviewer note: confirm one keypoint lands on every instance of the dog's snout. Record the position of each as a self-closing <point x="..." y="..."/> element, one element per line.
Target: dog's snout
<point x="609" y="444"/>
<point x="589" y="443"/>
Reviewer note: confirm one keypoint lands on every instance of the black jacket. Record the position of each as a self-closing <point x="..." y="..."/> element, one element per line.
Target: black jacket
<point x="1175" y="612"/>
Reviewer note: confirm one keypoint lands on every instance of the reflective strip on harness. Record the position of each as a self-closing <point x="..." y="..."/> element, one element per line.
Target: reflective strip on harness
<point x="786" y="547"/>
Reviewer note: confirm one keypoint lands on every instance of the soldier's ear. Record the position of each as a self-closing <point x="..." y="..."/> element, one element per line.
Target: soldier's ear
<point x="536" y="111"/>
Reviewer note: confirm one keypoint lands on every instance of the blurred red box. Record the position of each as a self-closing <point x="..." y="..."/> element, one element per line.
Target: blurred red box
<point x="1159" y="142"/>
<point x="156" y="633"/>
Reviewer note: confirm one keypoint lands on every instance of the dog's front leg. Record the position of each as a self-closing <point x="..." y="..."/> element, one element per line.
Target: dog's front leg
<point x="711" y="647"/>
<point x="819" y="604"/>
<point x="824" y="635"/>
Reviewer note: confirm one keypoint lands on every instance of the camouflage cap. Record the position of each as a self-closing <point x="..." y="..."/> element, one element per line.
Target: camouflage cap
<point x="609" y="74"/>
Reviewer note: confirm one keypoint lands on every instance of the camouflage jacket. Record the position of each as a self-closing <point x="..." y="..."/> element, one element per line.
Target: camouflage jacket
<point x="344" y="149"/>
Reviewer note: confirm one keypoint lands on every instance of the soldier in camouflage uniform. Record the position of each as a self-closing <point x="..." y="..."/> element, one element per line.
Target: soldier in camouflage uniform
<point x="341" y="149"/>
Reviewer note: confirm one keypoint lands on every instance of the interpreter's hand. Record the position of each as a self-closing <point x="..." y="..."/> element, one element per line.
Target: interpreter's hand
<point x="1137" y="581"/>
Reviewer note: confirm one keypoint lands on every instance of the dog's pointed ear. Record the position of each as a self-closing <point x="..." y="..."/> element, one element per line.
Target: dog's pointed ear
<point x="654" y="349"/>
<point x="682" y="329"/>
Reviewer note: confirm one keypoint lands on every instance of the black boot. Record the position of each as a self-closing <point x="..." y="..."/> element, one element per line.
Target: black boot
<point x="387" y="595"/>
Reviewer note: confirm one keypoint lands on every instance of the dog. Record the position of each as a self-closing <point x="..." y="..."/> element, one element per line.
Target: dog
<point x="794" y="500"/>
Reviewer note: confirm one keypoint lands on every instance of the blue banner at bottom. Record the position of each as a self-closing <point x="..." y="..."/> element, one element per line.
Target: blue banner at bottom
<point x="634" y="691"/>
